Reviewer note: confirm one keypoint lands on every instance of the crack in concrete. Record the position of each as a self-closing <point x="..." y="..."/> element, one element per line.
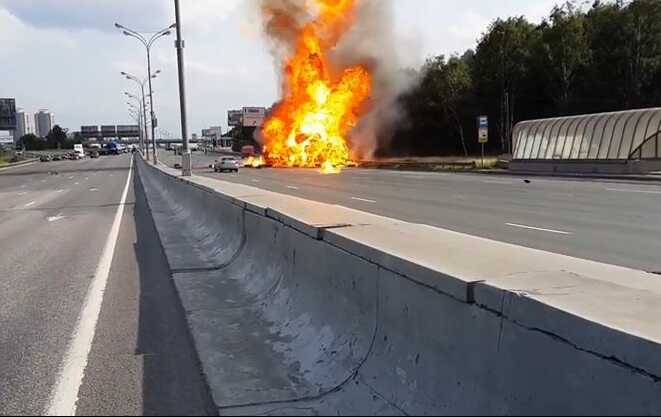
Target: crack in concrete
<point x="612" y="359"/>
<point x="353" y="376"/>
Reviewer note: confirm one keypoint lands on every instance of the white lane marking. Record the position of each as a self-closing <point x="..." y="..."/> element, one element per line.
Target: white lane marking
<point x="539" y="229"/>
<point x="94" y="190"/>
<point x="76" y="183"/>
<point x="64" y="397"/>
<point x="22" y="193"/>
<point x="417" y="174"/>
<point x="30" y="204"/>
<point x="364" y="200"/>
<point x="497" y="182"/>
<point x="291" y="187"/>
<point x="17" y="166"/>
<point x="55" y="218"/>
<point x="71" y="178"/>
<point x="59" y="191"/>
<point x="621" y="190"/>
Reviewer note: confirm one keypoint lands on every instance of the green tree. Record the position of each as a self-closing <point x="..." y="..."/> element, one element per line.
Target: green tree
<point x="564" y="53"/>
<point x="502" y="69"/>
<point x="450" y="84"/>
<point x="602" y="87"/>
<point x="32" y="142"/>
<point x="643" y="29"/>
<point x="57" y="138"/>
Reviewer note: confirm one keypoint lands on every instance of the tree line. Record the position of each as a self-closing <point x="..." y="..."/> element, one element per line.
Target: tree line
<point x="56" y="139"/>
<point x="578" y="60"/>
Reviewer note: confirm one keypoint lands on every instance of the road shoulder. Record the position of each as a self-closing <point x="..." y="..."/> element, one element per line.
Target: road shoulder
<point x="142" y="361"/>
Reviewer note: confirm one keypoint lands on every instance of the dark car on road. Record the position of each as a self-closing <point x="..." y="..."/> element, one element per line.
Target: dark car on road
<point x="57" y="157"/>
<point x="45" y="158"/>
<point x="94" y="155"/>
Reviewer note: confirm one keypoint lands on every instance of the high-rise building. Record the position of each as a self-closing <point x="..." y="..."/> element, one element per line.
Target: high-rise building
<point x="43" y="123"/>
<point x="24" y="124"/>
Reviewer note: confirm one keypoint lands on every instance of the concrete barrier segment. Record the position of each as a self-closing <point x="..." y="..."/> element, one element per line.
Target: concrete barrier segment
<point x="204" y="231"/>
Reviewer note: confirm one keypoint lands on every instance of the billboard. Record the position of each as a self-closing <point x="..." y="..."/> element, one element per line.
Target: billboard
<point x="90" y="131"/>
<point x="212" y="133"/>
<point x="253" y="116"/>
<point x="7" y="114"/>
<point x="234" y="118"/>
<point x="128" y="131"/>
<point x="108" y="131"/>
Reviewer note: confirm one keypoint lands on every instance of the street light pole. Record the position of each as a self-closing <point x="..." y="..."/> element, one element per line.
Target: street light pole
<point x="151" y="106"/>
<point x="135" y="115"/>
<point x="148" y="43"/>
<point x="141" y="123"/>
<point x="144" y="106"/>
<point x="179" y="44"/>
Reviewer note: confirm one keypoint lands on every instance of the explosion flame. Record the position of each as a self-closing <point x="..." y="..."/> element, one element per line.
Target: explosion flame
<point x="309" y="127"/>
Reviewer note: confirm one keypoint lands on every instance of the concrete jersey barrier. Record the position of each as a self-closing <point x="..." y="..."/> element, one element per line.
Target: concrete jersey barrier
<point x="298" y="307"/>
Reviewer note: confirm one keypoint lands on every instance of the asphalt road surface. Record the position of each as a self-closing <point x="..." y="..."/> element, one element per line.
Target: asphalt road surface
<point x="55" y="222"/>
<point x="613" y="222"/>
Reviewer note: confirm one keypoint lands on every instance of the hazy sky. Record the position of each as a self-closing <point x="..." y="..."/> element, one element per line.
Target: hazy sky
<point x="66" y="55"/>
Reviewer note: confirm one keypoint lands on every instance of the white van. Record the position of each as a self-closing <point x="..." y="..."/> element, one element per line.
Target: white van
<point x="79" y="150"/>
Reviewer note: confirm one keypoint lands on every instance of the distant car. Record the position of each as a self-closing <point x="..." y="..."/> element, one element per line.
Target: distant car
<point x="45" y="158"/>
<point x="94" y="155"/>
<point x="57" y="157"/>
<point x="227" y="164"/>
<point x="75" y="156"/>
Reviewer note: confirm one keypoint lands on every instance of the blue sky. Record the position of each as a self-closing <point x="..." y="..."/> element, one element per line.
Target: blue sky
<point x="66" y="56"/>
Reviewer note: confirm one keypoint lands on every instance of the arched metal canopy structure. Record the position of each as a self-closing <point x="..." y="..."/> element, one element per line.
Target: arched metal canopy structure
<point x="623" y="136"/>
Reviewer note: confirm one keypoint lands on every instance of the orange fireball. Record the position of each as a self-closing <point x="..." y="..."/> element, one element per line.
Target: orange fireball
<point x="309" y="127"/>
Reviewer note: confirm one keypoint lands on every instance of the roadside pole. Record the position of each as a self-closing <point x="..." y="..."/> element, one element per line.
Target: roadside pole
<point x="483" y="134"/>
<point x="186" y="168"/>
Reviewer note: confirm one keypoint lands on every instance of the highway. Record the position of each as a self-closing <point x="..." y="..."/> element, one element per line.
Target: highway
<point x="613" y="222"/>
<point x="60" y="234"/>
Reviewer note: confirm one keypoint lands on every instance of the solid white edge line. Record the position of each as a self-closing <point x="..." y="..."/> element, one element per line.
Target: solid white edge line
<point x="620" y="190"/>
<point x="17" y="166"/>
<point x="291" y="187"/>
<point x="64" y="397"/>
<point x="539" y="229"/>
<point x="364" y="200"/>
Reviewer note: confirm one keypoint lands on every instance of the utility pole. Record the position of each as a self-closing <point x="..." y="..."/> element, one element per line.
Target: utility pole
<point x="186" y="168"/>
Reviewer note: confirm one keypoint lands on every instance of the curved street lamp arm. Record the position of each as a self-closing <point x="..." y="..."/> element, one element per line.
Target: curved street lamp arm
<point x="132" y="33"/>
<point x="157" y="36"/>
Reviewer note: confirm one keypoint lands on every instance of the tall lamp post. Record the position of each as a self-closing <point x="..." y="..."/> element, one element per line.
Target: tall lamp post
<point x="136" y="116"/>
<point x="136" y="108"/>
<point x="148" y="43"/>
<point x="142" y="83"/>
<point x="186" y="169"/>
<point x="135" y="111"/>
